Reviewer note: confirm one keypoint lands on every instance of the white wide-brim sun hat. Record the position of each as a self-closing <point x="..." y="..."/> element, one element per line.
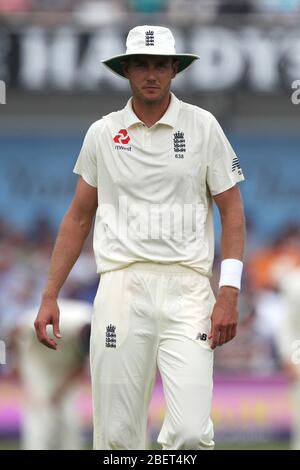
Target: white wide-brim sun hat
<point x="149" y="40"/>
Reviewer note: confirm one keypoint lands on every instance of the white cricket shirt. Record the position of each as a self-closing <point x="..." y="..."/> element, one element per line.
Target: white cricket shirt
<point x="155" y="185"/>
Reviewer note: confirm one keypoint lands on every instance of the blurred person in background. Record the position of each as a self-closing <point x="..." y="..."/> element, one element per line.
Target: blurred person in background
<point x="236" y="7"/>
<point x="268" y="263"/>
<point x="15" y="6"/>
<point x="280" y="7"/>
<point x="265" y="269"/>
<point x="23" y="262"/>
<point x="54" y="5"/>
<point x="154" y="305"/>
<point x="147" y="6"/>
<point x="51" y="382"/>
<point x="288" y="343"/>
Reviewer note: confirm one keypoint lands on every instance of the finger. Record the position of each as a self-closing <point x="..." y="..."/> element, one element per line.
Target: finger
<point x="228" y="333"/>
<point x="223" y="335"/>
<point x="50" y="343"/>
<point x="42" y="335"/>
<point x="215" y="336"/>
<point x="40" y="328"/>
<point x="233" y="332"/>
<point x="56" y="331"/>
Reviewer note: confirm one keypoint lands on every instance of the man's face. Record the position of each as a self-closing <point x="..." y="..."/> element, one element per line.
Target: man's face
<point x="150" y="76"/>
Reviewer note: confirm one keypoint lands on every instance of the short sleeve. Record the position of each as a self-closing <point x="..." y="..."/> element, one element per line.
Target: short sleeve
<point x="86" y="164"/>
<point x="223" y="166"/>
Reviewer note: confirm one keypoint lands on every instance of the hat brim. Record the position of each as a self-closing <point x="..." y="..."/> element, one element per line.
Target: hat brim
<point x="115" y="63"/>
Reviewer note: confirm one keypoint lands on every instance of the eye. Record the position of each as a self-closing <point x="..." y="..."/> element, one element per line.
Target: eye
<point x="162" y="65"/>
<point x="139" y="64"/>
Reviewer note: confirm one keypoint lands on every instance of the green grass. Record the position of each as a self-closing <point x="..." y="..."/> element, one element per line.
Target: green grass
<point x="9" y="445"/>
<point x="13" y="445"/>
<point x="280" y="445"/>
<point x="253" y="446"/>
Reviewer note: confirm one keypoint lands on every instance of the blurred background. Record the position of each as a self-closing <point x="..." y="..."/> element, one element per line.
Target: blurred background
<point x="50" y="55"/>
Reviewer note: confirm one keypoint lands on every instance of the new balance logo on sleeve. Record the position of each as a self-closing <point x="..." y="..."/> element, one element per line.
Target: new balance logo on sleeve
<point x="236" y="166"/>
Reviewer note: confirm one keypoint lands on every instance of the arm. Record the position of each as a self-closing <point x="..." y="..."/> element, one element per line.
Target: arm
<point x="73" y="231"/>
<point x="224" y="316"/>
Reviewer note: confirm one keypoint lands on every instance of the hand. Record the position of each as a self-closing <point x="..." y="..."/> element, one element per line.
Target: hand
<point x="48" y="315"/>
<point x="224" y="317"/>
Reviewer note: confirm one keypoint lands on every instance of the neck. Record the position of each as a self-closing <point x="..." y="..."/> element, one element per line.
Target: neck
<point x="149" y="113"/>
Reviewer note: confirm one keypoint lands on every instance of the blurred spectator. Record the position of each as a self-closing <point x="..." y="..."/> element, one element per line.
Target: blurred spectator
<point x="269" y="264"/>
<point x="278" y="6"/>
<point x="147" y="6"/>
<point x="13" y="6"/>
<point x="265" y="270"/>
<point x="268" y="306"/>
<point x="41" y="232"/>
<point x="186" y="10"/>
<point x="98" y="12"/>
<point x="105" y="11"/>
<point x="51" y="379"/>
<point x="231" y="7"/>
<point x="53" y="5"/>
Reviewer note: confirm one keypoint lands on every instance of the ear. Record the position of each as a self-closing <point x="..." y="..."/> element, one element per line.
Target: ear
<point x="175" y="66"/>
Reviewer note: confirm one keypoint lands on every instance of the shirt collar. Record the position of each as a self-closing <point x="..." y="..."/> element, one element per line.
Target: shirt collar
<point x="168" y="119"/>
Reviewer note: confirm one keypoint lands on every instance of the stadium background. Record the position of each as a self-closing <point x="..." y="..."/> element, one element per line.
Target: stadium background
<point x="55" y="88"/>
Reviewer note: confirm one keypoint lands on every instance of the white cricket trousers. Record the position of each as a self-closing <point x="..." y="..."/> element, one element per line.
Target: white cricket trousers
<point x="52" y="427"/>
<point x="295" y="424"/>
<point x="145" y="316"/>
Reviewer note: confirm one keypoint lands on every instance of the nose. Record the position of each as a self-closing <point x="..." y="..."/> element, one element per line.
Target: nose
<point x="151" y="72"/>
<point x="151" y="75"/>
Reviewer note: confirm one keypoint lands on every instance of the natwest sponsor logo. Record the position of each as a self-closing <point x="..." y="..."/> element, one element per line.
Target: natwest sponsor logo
<point x="122" y="137"/>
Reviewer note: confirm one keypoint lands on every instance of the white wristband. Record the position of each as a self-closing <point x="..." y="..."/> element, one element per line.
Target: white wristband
<point x="231" y="273"/>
